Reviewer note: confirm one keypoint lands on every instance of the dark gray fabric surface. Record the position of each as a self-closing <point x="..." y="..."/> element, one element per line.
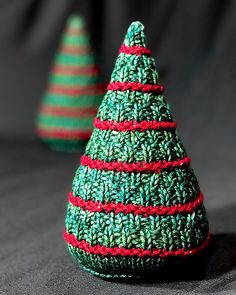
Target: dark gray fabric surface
<point x="195" y="44"/>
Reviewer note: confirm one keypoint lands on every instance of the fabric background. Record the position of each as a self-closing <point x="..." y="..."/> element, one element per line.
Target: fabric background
<point x="194" y="45"/>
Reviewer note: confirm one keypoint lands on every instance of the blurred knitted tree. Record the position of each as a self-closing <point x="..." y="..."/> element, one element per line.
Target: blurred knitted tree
<point x="73" y="94"/>
<point x="136" y="203"/>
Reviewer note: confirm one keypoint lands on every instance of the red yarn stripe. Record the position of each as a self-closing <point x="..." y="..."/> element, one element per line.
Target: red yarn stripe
<point x="136" y="50"/>
<point x="132" y="125"/>
<point x="117" y="208"/>
<point x="62" y="133"/>
<point x="75" y="70"/>
<point x="135" y="86"/>
<point x="72" y="50"/>
<point x="152" y="167"/>
<point x="68" y="111"/>
<point x="138" y="252"/>
<point x="76" y="90"/>
<point x="74" y="32"/>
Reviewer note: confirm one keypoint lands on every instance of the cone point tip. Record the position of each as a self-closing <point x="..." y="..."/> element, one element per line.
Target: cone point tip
<point x="136" y="26"/>
<point x="135" y="35"/>
<point x="76" y="21"/>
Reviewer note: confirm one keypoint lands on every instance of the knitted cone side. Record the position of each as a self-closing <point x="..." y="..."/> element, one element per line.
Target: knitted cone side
<point x="74" y="91"/>
<point x="135" y="204"/>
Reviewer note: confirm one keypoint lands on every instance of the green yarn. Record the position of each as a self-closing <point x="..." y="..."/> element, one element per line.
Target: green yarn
<point x="65" y="101"/>
<point x="101" y="266"/>
<point x="83" y="40"/>
<point x="71" y="123"/>
<point x="61" y="145"/>
<point x="134" y="106"/>
<point x="135" y="35"/>
<point x="83" y="60"/>
<point x="166" y="188"/>
<point x="73" y="85"/>
<point x="110" y="231"/>
<point x="76" y="22"/>
<point x="73" y="80"/>
<point x="154" y="232"/>
<point x="143" y="146"/>
<point x="136" y="68"/>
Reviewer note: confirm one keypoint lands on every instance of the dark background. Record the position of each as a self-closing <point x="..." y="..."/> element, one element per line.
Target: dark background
<point x="194" y="44"/>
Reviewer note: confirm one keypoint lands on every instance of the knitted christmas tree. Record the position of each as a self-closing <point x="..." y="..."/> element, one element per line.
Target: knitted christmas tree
<point x="74" y="92"/>
<point x="135" y="202"/>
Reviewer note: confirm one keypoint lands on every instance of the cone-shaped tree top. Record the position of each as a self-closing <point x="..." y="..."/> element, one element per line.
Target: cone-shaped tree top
<point x="135" y="200"/>
<point x="135" y="35"/>
<point x="74" y="91"/>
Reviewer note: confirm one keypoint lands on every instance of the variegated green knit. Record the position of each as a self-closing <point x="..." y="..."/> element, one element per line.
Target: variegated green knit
<point x="135" y="203"/>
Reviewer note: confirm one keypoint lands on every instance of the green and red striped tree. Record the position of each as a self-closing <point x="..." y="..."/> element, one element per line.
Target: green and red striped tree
<point x="74" y="91"/>
<point x="135" y="202"/>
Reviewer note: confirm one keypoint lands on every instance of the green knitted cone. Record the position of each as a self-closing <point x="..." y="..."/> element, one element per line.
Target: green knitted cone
<point x="135" y="204"/>
<point x="73" y="94"/>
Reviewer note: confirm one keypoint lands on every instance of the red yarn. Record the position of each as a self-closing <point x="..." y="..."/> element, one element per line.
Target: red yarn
<point x="117" y="208"/>
<point x="137" y="50"/>
<point x="64" y="133"/>
<point x="135" y="86"/>
<point x="122" y="251"/>
<point x="152" y="167"/>
<point x="74" y="31"/>
<point x="73" y="50"/>
<point x="75" y="70"/>
<point x="132" y="125"/>
<point x="68" y="111"/>
<point x="76" y="90"/>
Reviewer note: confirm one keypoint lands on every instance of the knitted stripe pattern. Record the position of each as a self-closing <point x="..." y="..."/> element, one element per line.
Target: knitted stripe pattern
<point x="65" y="119"/>
<point x="135" y="204"/>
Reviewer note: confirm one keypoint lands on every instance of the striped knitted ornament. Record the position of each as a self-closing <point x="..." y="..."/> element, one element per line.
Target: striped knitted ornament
<point x="74" y="91"/>
<point x="135" y="204"/>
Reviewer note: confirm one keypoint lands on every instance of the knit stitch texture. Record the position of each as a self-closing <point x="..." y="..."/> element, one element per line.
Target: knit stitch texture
<point x="74" y="91"/>
<point x="135" y="204"/>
